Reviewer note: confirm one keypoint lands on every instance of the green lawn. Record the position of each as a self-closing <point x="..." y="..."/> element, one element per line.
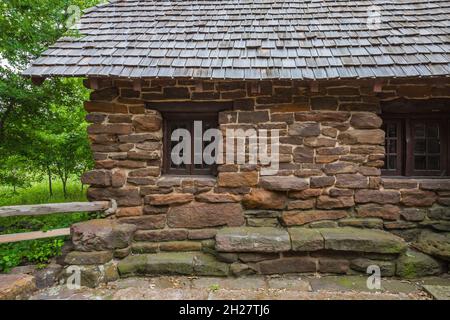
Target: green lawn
<point x="37" y="251"/>
<point x="38" y="193"/>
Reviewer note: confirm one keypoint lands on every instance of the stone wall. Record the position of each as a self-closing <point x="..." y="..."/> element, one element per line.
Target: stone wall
<point x="331" y="153"/>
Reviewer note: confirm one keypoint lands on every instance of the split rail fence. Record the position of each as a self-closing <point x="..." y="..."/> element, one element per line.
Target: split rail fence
<point x="44" y="209"/>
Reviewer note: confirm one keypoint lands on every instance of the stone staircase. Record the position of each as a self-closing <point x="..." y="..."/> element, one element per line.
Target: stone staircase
<point x="269" y="250"/>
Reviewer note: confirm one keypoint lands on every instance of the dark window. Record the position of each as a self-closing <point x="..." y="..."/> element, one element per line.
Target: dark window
<point x="416" y="144"/>
<point x="173" y="121"/>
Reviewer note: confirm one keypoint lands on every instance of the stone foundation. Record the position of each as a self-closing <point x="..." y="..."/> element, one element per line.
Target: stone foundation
<point x="331" y="152"/>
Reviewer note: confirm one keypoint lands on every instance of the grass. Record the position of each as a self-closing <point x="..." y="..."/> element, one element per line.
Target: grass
<point x="38" y="193"/>
<point x="37" y="251"/>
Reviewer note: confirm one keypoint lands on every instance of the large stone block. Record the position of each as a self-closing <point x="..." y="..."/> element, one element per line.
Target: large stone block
<point x="333" y="265"/>
<point x="157" y="264"/>
<point x="371" y="223"/>
<point x="125" y="197"/>
<point x="361" y="240"/>
<point x="435" y="184"/>
<point x="306" y="239"/>
<point x="97" y="178"/>
<point x="288" y="265"/>
<point x="387" y="212"/>
<point x="238" y="179"/>
<point x="207" y="265"/>
<point x="387" y="268"/>
<point x="169" y="199"/>
<point x="418" y="198"/>
<point x="172" y="263"/>
<point x="101" y="235"/>
<point x="434" y="244"/>
<point x="351" y="181"/>
<point x="340" y="167"/>
<point x="303" y="155"/>
<point x="298" y="218"/>
<point x="263" y="199"/>
<point x="283" y="183"/>
<point x="145" y="123"/>
<point x="198" y="215"/>
<point x="304" y="129"/>
<point x="323" y="181"/>
<point x="146" y="222"/>
<point x="87" y="258"/>
<point x="399" y="183"/>
<point x="322" y="116"/>
<point x="414" y="264"/>
<point x="372" y="136"/>
<point x="438" y="213"/>
<point x="14" y="286"/>
<point x="161" y="235"/>
<point x="327" y="202"/>
<point x="377" y="196"/>
<point x="415" y="214"/>
<point x="247" y="239"/>
<point x="365" y="120"/>
<point x="217" y="197"/>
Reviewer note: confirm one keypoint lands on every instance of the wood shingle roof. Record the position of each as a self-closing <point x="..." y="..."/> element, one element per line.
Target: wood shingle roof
<point x="256" y="39"/>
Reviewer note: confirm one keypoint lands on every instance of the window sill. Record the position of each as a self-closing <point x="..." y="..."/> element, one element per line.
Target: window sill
<point x="172" y="180"/>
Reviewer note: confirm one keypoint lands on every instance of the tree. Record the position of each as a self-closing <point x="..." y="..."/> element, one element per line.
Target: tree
<point x="28" y="27"/>
<point x="15" y="172"/>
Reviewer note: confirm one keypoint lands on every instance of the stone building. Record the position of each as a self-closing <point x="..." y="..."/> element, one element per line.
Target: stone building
<point x="363" y="112"/>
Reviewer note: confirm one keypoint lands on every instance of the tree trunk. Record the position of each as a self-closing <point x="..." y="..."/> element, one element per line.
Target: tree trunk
<point x="50" y="186"/>
<point x="64" y="182"/>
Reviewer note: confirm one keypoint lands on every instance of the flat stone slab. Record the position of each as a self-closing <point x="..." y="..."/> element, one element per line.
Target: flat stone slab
<point x="293" y="287"/>
<point x="213" y="283"/>
<point x="289" y="283"/>
<point x="359" y="283"/>
<point x="306" y="239"/>
<point x="435" y="244"/>
<point x="248" y="239"/>
<point x="362" y="240"/>
<point x="15" y="286"/>
<point x="438" y="292"/>
<point x="172" y="263"/>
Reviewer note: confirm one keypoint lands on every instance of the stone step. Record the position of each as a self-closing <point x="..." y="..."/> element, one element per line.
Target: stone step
<point x="252" y="239"/>
<point x="246" y="239"/>
<point x="172" y="263"/>
<point x="15" y="286"/>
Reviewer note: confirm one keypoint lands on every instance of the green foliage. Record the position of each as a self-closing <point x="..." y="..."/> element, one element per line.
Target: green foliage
<point x="28" y="27"/>
<point x="15" y="173"/>
<point x="40" y="223"/>
<point x="35" y="252"/>
<point x="42" y="128"/>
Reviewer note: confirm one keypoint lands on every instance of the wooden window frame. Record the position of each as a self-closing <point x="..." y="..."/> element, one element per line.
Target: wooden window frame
<point x="399" y="147"/>
<point x="191" y="169"/>
<point x="184" y="110"/>
<point x="405" y="143"/>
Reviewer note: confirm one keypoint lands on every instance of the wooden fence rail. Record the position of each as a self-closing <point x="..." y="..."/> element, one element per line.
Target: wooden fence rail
<point x="42" y="209"/>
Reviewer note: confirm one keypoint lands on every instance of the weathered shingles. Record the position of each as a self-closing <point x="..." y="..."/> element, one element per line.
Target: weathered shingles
<point x="254" y="40"/>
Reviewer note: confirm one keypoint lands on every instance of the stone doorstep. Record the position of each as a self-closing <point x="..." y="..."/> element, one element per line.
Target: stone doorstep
<point x="438" y="292"/>
<point x="254" y="239"/>
<point x="172" y="263"/>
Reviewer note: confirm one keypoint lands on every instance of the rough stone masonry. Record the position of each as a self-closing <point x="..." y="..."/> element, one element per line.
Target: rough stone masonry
<point x="327" y="210"/>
